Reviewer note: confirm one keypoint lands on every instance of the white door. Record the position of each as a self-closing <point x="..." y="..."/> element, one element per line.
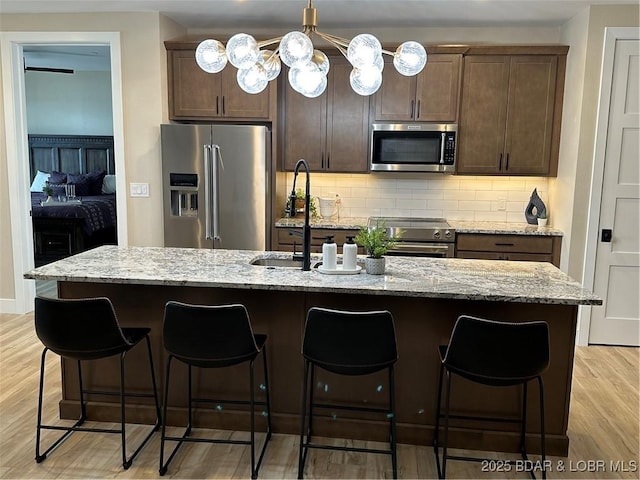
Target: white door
<point x="617" y="272"/>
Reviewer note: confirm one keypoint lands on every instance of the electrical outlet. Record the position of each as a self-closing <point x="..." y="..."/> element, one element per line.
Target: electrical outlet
<point x="502" y="204"/>
<point x="139" y="189"/>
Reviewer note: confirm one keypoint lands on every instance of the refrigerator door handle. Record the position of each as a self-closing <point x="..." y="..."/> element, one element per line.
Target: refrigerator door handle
<point x="216" y="158"/>
<point x="207" y="192"/>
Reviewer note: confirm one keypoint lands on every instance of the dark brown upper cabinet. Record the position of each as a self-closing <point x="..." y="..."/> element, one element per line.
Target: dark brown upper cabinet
<point x="197" y="95"/>
<point x="430" y="96"/>
<point x="510" y="114"/>
<point x="331" y="131"/>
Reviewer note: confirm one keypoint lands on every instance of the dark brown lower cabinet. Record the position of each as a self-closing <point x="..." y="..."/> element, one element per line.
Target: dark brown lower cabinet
<point x="529" y="248"/>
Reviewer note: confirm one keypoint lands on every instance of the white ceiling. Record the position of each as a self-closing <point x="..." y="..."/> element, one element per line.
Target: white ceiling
<point x="207" y="14"/>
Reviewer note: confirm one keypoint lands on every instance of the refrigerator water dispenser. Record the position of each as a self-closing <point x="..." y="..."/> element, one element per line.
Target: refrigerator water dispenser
<point x="184" y="194"/>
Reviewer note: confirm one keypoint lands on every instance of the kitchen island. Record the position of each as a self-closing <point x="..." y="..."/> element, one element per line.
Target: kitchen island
<point x="425" y="296"/>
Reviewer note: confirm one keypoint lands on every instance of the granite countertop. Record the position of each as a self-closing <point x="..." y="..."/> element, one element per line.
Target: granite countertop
<point x="452" y="278"/>
<point x="502" y="228"/>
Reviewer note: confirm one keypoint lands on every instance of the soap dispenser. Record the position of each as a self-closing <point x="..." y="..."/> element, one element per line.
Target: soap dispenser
<point x="329" y="253"/>
<point x="349" y="254"/>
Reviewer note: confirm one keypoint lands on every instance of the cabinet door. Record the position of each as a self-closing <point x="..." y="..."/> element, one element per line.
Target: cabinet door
<point x="532" y="85"/>
<point x="304" y="129"/>
<point x="481" y="130"/>
<point x="236" y="103"/>
<point x="347" y="122"/>
<point x="395" y="101"/>
<point x="437" y="89"/>
<point x="193" y="93"/>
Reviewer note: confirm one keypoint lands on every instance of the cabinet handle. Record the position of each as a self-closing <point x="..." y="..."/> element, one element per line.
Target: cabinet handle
<point x="322" y="160"/>
<point x="217" y="105"/>
<point x="328" y="161"/>
<point x="506" y="165"/>
<point x="411" y="116"/>
<point x="503" y="244"/>
<point x="418" y="113"/>
<point x="224" y="110"/>
<point x="500" y="163"/>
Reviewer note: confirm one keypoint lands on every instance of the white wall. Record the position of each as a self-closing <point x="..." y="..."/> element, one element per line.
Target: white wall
<point x="77" y="104"/>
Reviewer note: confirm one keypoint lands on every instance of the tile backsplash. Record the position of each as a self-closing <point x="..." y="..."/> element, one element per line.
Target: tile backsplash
<point x="498" y="199"/>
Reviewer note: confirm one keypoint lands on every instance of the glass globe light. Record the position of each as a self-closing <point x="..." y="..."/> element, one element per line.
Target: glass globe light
<point x="252" y="80"/>
<point x="410" y="58"/>
<point x="242" y="50"/>
<point x="211" y="56"/>
<point x="379" y="63"/>
<point x="271" y="63"/>
<point x="365" y="81"/>
<point x="295" y="49"/>
<point x="363" y="50"/>
<point x="308" y="80"/>
<point x="321" y="60"/>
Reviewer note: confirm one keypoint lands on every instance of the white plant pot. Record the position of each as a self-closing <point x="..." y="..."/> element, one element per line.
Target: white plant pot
<point x="542" y="222"/>
<point x="374" y="266"/>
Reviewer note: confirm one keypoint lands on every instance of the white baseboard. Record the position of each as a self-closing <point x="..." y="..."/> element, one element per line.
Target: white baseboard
<point x="8" y="305"/>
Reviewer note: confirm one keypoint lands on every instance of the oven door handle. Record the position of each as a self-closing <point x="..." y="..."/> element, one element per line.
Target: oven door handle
<point x="408" y="248"/>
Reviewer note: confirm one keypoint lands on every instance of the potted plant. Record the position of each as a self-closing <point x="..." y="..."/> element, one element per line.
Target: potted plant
<point x="542" y="217"/>
<point x="48" y="191"/>
<point x="300" y="203"/>
<point x="376" y="241"/>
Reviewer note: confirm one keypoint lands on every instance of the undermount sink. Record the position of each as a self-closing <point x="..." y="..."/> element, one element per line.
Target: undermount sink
<point x="287" y="261"/>
<point x="276" y="262"/>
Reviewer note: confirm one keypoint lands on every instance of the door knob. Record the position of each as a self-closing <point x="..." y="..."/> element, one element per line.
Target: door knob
<point x="607" y="233"/>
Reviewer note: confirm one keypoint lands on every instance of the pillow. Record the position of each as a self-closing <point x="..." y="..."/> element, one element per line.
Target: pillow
<point x="109" y="184"/>
<point x="39" y="181"/>
<point x="81" y="182"/>
<point x="95" y="182"/>
<point x="57" y="181"/>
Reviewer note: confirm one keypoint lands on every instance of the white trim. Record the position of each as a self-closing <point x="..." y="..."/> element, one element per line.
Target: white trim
<point x="611" y="35"/>
<point x="8" y="305"/>
<point x="11" y="44"/>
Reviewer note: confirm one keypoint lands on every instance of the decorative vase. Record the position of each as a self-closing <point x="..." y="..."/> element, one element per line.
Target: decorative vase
<point x="542" y="222"/>
<point x="374" y="266"/>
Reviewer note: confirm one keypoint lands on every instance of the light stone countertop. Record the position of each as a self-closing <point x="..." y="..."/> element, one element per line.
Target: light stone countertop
<point x="452" y="278"/>
<point x="501" y="228"/>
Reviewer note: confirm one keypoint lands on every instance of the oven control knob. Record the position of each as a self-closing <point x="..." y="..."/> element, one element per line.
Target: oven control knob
<point x="436" y="234"/>
<point x="447" y="233"/>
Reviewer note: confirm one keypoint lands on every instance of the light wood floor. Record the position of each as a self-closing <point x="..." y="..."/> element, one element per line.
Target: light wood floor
<point x="603" y="428"/>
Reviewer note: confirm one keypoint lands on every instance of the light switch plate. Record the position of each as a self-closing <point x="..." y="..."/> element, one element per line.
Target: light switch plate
<point x="139" y="189"/>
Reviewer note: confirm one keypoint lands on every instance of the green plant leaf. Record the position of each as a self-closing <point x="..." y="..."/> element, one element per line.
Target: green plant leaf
<point x="376" y="240"/>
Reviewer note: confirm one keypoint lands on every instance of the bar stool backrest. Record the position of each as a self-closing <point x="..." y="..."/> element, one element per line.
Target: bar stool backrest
<point x="501" y="353"/>
<point x="208" y="335"/>
<point x="350" y="343"/>
<point x="82" y="329"/>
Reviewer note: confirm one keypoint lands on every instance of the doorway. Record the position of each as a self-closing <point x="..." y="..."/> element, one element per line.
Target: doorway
<point x="12" y="46"/>
<point x="612" y="257"/>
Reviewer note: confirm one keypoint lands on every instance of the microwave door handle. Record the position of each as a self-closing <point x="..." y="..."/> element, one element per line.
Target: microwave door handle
<point x="442" y="141"/>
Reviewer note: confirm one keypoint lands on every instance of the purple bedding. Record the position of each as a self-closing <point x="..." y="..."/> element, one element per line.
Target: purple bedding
<point x="98" y="212"/>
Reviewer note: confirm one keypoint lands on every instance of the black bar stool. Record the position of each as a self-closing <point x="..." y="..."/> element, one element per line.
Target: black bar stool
<point x="497" y="354"/>
<point x="347" y="343"/>
<point x="213" y="337"/>
<point x="87" y="329"/>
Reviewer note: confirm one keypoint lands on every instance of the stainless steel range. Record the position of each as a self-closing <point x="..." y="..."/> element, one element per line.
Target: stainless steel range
<point x="419" y="237"/>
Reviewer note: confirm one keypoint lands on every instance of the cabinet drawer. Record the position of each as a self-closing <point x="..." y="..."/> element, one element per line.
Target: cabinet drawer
<point x="504" y="243"/>
<point x="523" y="257"/>
<point x="287" y="237"/>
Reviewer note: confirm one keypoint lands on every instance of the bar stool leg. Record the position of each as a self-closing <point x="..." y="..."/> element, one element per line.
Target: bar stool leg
<point x="163" y="468"/>
<point x="542" y="434"/>
<point x="312" y="383"/>
<point x="437" y="426"/>
<point x="446" y="425"/>
<point x="254" y="474"/>
<point x="302" y="455"/>
<point x="392" y="405"/>
<point x="155" y="385"/>
<point x="40" y="458"/>
<point x="523" y="431"/>
<point x="125" y="463"/>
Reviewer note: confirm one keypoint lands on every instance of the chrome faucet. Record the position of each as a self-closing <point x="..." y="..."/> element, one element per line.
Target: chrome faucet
<point x="306" y="230"/>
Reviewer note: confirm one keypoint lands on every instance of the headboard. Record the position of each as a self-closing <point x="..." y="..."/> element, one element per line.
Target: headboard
<point x="71" y="154"/>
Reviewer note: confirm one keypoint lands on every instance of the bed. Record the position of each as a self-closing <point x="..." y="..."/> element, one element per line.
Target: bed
<point x="63" y="228"/>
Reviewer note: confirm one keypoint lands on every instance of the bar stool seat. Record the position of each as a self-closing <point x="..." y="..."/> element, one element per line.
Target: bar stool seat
<point x="218" y="336"/>
<point x="347" y="343"/>
<point x="82" y="330"/>
<point x="498" y="354"/>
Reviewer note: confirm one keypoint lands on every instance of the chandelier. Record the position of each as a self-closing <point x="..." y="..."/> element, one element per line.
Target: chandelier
<point x="308" y="67"/>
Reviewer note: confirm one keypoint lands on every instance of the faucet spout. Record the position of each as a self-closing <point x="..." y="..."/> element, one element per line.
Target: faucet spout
<point x="306" y="230"/>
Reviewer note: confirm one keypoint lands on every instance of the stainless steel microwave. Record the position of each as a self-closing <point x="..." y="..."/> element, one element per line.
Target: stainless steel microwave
<point x="413" y="147"/>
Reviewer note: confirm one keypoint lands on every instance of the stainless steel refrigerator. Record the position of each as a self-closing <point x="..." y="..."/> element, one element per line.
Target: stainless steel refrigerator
<point x="216" y="186"/>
